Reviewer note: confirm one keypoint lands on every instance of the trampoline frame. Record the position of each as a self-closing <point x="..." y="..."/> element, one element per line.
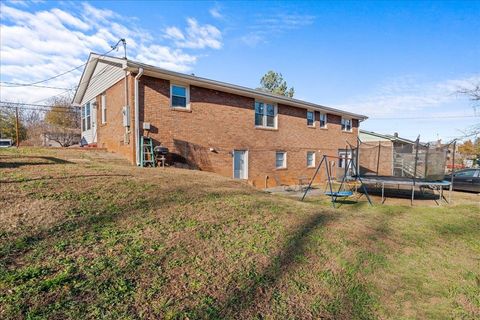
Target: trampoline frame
<point x="390" y="180"/>
<point x="386" y="180"/>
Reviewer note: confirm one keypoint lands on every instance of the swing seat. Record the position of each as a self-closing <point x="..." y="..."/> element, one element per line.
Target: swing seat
<point x="339" y="194"/>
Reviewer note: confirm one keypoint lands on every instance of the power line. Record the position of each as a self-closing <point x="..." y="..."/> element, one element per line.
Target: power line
<point x="73" y="88"/>
<point x="51" y="78"/>
<point x="71" y="70"/>
<point x="55" y="95"/>
<point x="7" y="84"/>
<point x="35" y="103"/>
<point x="29" y="104"/>
<point x="41" y="109"/>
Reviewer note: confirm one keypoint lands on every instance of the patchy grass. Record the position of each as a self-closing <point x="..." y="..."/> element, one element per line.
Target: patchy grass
<point x="84" y="235"/>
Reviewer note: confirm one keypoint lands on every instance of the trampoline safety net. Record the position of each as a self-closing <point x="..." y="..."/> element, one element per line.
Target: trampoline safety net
<point x="425" y="161"/>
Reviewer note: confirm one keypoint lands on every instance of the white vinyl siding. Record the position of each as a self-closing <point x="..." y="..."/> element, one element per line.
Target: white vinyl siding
<point x="280" y="159"/>
<point x="104" y="76"/>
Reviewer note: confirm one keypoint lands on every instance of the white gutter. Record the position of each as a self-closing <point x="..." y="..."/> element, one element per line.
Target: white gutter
<point x="137" y="120"/>
<point x="235" y="89"/>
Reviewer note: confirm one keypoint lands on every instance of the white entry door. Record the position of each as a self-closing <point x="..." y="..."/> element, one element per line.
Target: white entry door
<point x="240" y="164"/>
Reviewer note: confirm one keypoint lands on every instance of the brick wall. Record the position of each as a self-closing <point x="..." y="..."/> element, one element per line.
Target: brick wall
<point x="220" y="122"/>
<point x="112" y="135"/>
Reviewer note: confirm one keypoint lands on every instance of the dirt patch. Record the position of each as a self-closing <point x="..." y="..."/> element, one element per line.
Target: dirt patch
<point x="30" y="214"/>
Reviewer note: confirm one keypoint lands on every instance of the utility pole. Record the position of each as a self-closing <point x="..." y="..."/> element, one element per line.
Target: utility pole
<point x="124" y="48"/>
<point x="17" y="140"/>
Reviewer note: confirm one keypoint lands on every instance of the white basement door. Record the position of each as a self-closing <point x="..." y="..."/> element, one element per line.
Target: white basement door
<point x="240" y="164"/>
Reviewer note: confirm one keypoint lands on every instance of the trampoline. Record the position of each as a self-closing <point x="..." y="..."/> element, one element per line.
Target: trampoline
<point x="404" y="181"/>
<point x="412" y="165"/>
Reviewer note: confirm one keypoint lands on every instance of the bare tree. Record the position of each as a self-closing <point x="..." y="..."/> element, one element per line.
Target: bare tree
<point x="34" y="121"/>
<point x="473" y="93"/>
<point x="63" y="122"/>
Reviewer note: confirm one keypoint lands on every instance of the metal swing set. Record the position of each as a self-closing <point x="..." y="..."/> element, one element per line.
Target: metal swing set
<point x="340" y="193"/>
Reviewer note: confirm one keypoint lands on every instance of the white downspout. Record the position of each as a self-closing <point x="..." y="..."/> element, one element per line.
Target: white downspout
<point x="137" y="120"/>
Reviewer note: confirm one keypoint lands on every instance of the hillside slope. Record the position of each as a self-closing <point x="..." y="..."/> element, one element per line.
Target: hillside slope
<point x="84" y="235"/>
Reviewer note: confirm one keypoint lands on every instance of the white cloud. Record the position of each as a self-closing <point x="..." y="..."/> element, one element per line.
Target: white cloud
<point x="409" y="96"/>
<point x="252" y="39"/>
<point x="195" y="36"/>
<point x="165" y="57"/>
<point x="215" y="12"/>
<point x="37" y="44"/>
<point x="70" y="20"/>
<point x="22" y="3"/>
<point x="265" y="26"/>
<point x="98" y="14"/>
<point x="174" y="33"/>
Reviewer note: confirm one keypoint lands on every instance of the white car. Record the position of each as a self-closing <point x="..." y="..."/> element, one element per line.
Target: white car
<point x="6" y="143"/>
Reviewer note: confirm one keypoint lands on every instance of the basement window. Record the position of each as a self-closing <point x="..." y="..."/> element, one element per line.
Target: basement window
<point x="265" y="114"/>
<point x="346" y="124"/>
<point x="323" y="120"/>
<point x="310" y="118"/>
<point x="280" y="159"/>
<point x="179" y="96"/>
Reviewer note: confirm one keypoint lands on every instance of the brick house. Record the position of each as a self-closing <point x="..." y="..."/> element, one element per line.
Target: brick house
<point x="234" y="131"/>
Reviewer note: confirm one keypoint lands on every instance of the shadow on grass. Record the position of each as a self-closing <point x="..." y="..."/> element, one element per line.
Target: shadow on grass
<point x="346" y="201"/>
<point x="241" y="299"/>
<point x="352" y="300"/>
<point x="17" y="162"/>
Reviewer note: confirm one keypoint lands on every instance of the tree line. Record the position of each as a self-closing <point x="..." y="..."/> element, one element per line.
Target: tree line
<point x="57" y="122"/>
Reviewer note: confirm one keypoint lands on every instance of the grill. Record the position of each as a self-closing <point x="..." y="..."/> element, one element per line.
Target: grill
<point x="160" y="151"/>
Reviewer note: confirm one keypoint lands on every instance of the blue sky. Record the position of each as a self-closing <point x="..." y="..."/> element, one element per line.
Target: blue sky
<point x="388" y="60"/>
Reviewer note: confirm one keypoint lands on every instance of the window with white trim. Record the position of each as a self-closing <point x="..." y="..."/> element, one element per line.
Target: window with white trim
<point x="346" y="124"/>
<point x="265" y="114"/>
<point x="280" y="159"/>
<point x="310" y="159"/>
<point x="86" y="117"/>
<point x="323" y="120"/>
<point x="310" y="118"/>
<point x="179" y="96"/>
<point x="104" y="108"/>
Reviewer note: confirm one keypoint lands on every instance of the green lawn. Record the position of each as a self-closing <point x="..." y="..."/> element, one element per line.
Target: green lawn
<point x="83" y="235"/>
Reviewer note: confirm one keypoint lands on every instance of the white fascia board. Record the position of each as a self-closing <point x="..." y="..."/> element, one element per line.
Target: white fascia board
<point x="156" y="72"/>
